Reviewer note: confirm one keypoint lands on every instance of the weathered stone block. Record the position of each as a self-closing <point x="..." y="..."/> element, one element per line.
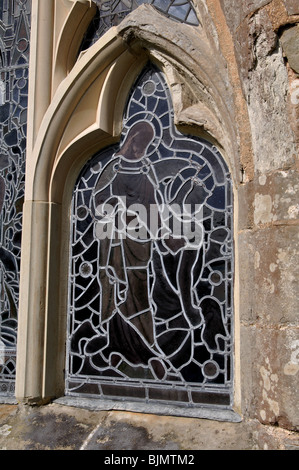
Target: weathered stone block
<point x="290" y="44"/>
<point x="269" y="296"/>
<point x="255" y="39"/>
<point x="271" y="360"/>
<point x="271" y="198"/>
<point x="265" y="85"/>
<point x="276" y="198"/>
<point x="292" y="7"/>
<point x="235" y="11"/>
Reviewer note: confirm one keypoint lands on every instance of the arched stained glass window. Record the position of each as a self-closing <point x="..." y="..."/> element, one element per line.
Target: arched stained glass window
<point x="151" y="264"/>
<point x="14" y="58"/>
<point x="111" y="13"/>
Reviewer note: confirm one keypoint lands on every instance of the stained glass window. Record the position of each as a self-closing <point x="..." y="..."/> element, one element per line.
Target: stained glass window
<point x="151" y="264"/>
<point x="14" y="56"/>
<point x="111" y="13"/>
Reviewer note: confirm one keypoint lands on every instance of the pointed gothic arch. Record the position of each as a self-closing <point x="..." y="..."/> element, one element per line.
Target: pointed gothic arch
<point x="84" y="116"/>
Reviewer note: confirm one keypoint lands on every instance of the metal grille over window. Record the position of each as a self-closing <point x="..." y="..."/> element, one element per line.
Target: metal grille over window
<point x="14" y="56"/>
<point x="111" y="13"/>
<point x="151" y="266"/>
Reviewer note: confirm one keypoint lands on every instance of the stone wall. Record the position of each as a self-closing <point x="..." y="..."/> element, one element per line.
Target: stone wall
<point x="265" y="34"/>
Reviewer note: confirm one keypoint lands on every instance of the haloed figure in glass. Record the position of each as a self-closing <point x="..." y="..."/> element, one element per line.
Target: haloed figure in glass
<point x="150" y="256"/>
<point x="151" y="260"/>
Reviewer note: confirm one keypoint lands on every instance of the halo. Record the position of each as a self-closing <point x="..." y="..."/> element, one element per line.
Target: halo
<point x="151" y="119"/>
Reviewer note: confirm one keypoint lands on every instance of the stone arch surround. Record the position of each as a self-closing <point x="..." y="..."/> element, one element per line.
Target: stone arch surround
<point x="75" y="125"/>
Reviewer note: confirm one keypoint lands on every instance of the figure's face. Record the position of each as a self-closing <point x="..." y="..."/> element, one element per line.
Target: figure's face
<point x="137" y="141"/>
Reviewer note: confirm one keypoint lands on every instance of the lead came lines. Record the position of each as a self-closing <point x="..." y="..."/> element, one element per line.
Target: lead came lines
<point x="111" y="13"/>
<point x="150" y="307"/>
<point x="14" y="54"/>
